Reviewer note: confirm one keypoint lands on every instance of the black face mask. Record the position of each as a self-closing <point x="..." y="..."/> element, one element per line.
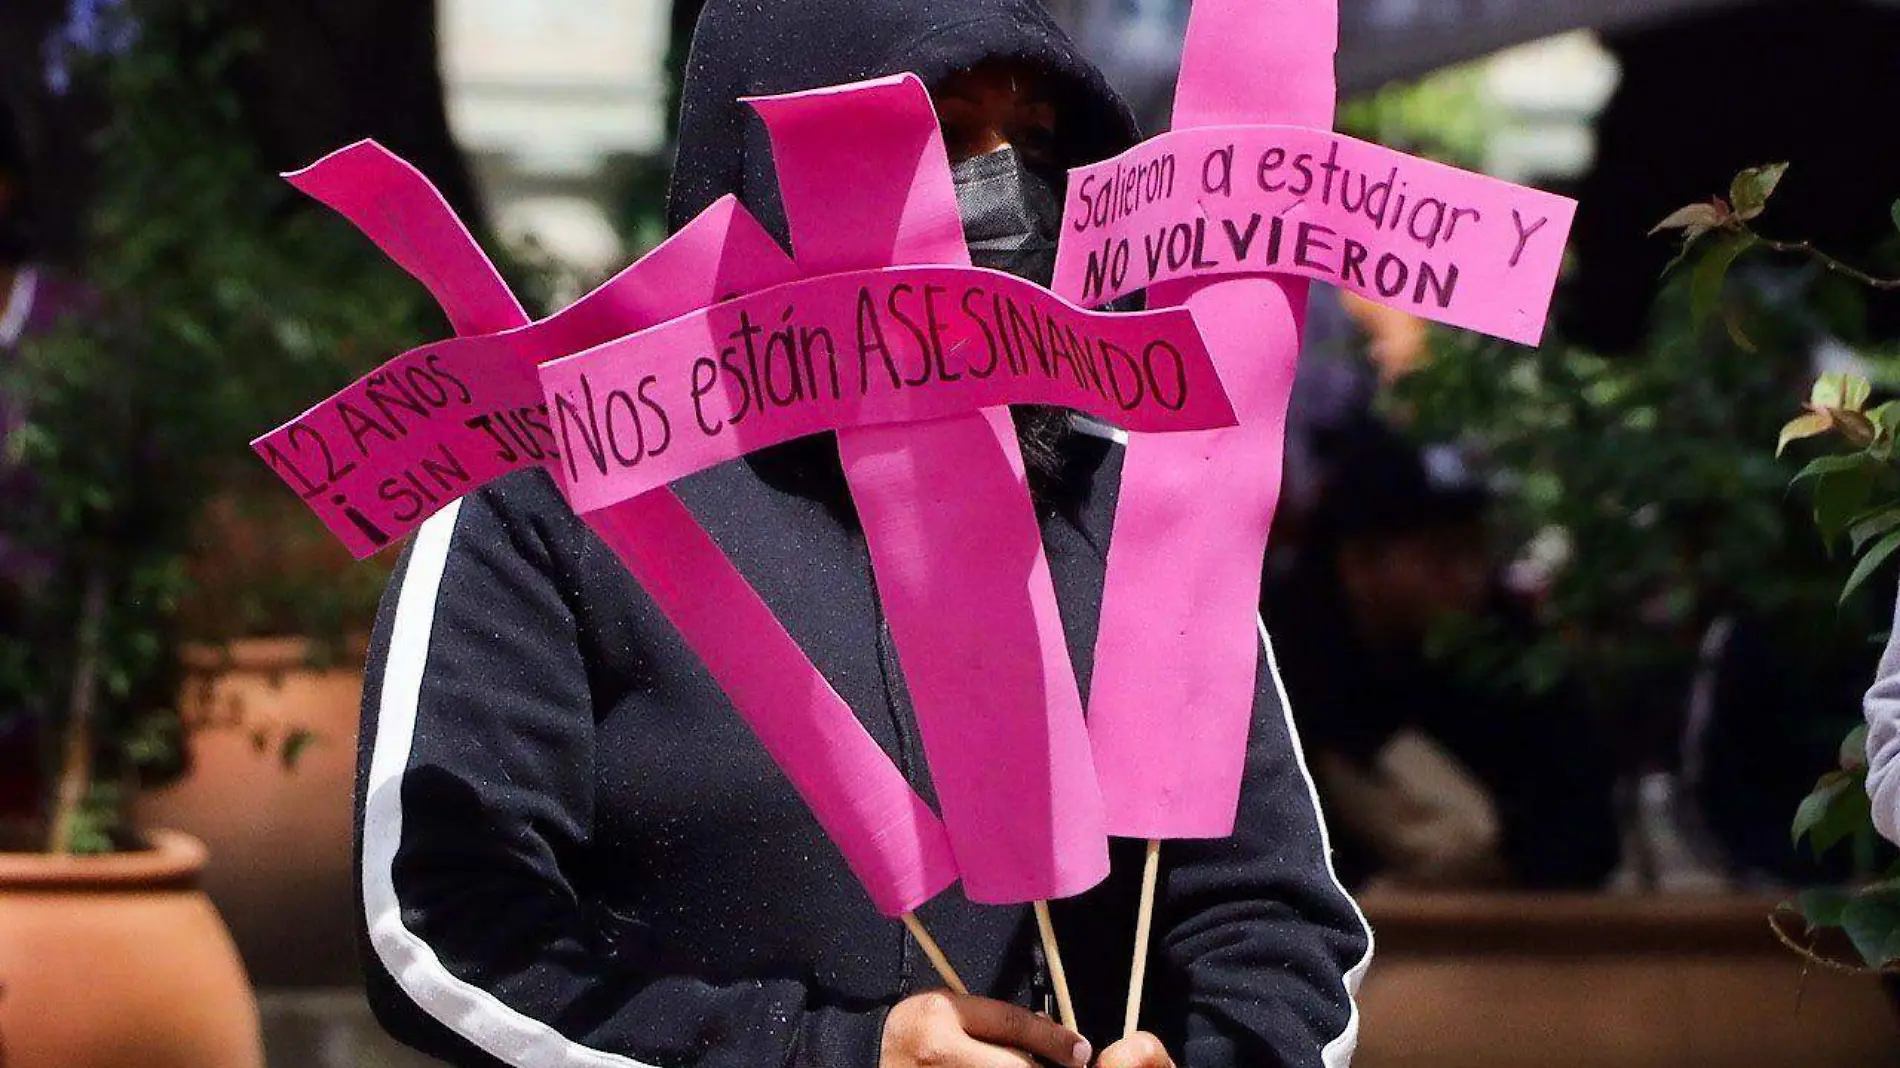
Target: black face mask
<point x="1011" y="219"/>
<point x="1011" y="215"/>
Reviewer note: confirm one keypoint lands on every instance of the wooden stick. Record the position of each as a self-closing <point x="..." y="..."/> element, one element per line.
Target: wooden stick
<point x="1064" y="1003"/>
<point x="935" y="952"/>
<point x="1144" y="931"/>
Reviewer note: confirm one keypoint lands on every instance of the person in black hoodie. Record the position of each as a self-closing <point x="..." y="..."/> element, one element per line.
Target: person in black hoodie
<point x="574" y="853"/>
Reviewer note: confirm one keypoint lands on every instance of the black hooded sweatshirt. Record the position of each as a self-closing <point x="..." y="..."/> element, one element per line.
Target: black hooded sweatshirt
<point x="572" y="851"/>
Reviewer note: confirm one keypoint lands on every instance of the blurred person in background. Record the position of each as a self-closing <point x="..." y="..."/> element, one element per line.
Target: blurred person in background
<point x="1768" y="705"/>
<point x="1351" y="350"/>
<point x="1334" y="385"/>
<point x="1432" y="779"/>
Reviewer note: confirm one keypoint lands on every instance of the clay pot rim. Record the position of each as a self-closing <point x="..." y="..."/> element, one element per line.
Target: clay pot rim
<point x="175" y="860"/>
<point x="286" y="653"/>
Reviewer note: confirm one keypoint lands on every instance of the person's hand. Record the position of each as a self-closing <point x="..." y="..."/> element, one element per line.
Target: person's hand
<point x="1140" y="1051"/>
<point x="944" y="1030"/>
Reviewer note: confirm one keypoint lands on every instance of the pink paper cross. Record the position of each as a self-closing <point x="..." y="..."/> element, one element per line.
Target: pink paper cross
<point x="1230" y="216"/>
<point x="494" y="423"/>
<point x="953" y="537"/>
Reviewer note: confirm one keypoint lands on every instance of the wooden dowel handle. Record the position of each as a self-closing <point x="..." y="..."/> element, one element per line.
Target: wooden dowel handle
<point x="1064" y="1002"/>
<point x="935" y="952"/>
<point x="1144" y="933"/>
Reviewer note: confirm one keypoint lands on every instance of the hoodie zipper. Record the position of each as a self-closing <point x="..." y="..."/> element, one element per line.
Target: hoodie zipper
<point x="907" y="745"/>
<point x="1042" y="988"/>
<point x="1042" y="995"/>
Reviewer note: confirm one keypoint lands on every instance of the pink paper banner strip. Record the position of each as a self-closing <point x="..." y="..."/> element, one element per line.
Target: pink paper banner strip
<point x="892" y="841"/>
<point x="437" y="423"/>
<point x="1177" y="653"/>
<point x="1431" y="240"/>
<point x="402" y="442"/>
<point x="953" y="537"/>
<point x="897" y="345"/>
<point x="400" y="210"/>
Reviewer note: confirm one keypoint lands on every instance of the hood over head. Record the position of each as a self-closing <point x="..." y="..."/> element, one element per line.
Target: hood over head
<point x="745" y="48"/>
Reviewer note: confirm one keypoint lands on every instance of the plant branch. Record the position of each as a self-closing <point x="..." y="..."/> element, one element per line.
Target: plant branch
<point x="1808" y="954"/>
<point x="1806" y="248"/>
<point x="75" y="776"/>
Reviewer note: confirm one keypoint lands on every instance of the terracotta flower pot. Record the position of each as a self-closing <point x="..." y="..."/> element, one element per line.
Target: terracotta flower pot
<point x="120" y="962"/>
<point x="280" y="837"/>
<point x="1565" y="981"/>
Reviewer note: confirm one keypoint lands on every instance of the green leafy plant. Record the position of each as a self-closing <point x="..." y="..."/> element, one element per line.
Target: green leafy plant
<point x="1641" y="478"/>
<point x="1723" y="230"/>
<point x="1637" y="470"/>
<point x="1446" y="116"/>
<point x="1855" y="493"/>
<point x="225" y="305"/>
<point x="1839" y="813"/>
<point x="1856" y="496"/>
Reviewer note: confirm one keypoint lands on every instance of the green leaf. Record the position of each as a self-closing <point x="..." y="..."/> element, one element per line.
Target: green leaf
<point x="1886" y="418"/>
<point x="1896" y="214"/>
<point x="1712" y="273"/>
<point x="1696" y="218"/>
<point x="1696" y="222"/>
<point x="1831" y="465"/>
<point x="1854" y="749"/>
<point x="1872" y="923"/>
<point x="1856" y="391"/>
<point x="1848" y="813"/>
<point x="1738" y="334"/>
<point x="1841" y="392"/>
<point x="1824" y="906"/>
<point x="1866" y="530"/>
<point x="1839" y="497"/>
<point x="1803" y="427"/>
<point x="1752" y="188"/>
<point x="1814" y="807"/>
<point x="1870" y="563"/>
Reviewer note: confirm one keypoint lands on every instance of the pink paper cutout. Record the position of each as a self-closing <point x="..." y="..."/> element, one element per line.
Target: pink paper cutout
<point x="443" y="420"/>
<point x="400" y="210"/>
<point x="1437" y="242"/>
<point x="1176" y="658"/>
<point x="889" y="837"/>
<point x="896" y="345"/>
<point x="1177" y="655"/>
<point x="954" y="542"/>
<point x="395" y="447"/>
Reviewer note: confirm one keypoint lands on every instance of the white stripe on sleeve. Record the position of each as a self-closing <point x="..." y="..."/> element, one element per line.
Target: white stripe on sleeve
<point x="1338" y="1053"/>
<point x="475" y="1014"/>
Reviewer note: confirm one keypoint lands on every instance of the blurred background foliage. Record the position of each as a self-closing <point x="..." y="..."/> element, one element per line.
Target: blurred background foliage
<point x="224" y="304"/>
<point x="1447" y="117"/>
